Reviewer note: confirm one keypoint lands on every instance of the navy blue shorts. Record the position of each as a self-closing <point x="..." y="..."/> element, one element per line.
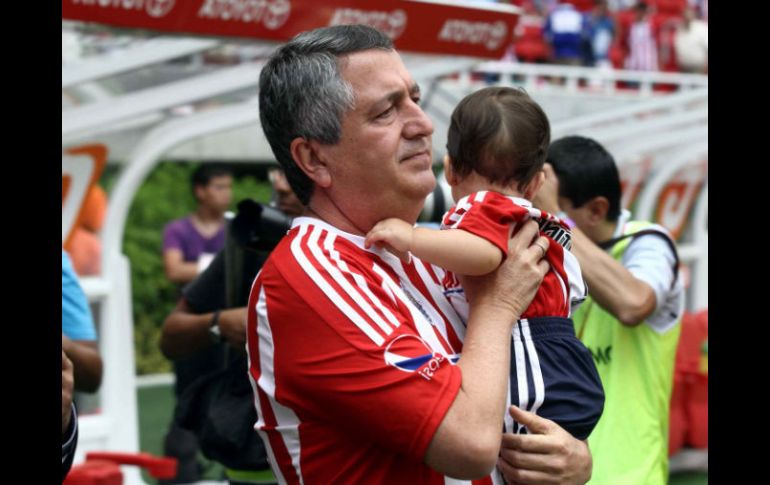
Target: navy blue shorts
<point x="553" y="375"/>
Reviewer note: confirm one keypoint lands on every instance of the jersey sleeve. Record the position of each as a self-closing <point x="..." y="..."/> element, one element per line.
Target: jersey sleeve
<point x="345" y="350"/>
<point x="489" y="215"/>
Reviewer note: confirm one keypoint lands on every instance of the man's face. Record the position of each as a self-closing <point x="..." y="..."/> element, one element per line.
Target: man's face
<point x="286" y="200"/>
<point x="217" y="194"/>
<point x="381" y="167"/>
<point x="581" y="215"/>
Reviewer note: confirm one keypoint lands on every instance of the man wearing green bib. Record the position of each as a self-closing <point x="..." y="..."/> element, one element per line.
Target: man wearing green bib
<point x="631" y="320"/>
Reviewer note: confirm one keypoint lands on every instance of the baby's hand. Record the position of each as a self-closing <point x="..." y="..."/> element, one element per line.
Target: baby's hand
<point x="394" y="235"/>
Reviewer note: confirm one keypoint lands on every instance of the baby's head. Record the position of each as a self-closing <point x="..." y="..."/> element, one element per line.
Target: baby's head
<point x="498" y="140"/>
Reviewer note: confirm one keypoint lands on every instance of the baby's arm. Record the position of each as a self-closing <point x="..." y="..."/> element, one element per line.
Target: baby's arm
<point x="453" y="249"/>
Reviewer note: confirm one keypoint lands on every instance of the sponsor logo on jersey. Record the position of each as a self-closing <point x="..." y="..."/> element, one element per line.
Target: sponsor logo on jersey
<point x="404" y="355"/>
<point x="557" y="232"/>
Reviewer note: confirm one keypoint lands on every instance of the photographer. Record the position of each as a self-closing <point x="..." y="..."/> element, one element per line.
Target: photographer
<point x="211" y="314"/>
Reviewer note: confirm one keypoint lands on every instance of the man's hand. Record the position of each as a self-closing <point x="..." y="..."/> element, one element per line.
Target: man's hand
<point x="67" y="385"/>
<point x="514" y="284"/>
<point x="549" y="455"/>
<point x="394" y="235"/>
<point x="232" y="326"/>
<point x="496" y="300"/>
<point x="547" y="198"/>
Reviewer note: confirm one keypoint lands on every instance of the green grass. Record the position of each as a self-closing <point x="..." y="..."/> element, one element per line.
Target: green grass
<point x="156" y="405"/>
<point x="155" y="409"/>
<point x="689" y="478"/>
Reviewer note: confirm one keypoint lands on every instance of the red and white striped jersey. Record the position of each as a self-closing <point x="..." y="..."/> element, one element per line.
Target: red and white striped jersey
<point x="351" y="356"/>
<point x="642" y="47"/>
<point x="495" y="217"/>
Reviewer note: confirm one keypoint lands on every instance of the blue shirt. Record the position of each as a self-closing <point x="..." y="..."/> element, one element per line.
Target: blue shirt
<point x="564" y="29"/>
<point x="77" y="322"/>
<point x="601" y="31"/>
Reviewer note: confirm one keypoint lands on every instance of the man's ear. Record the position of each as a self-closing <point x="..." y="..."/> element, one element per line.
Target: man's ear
<point x="449" y="173"/>
<point x="597" y="209"/>
<point x="534" y="185"/>
<point x="307" y="155"/>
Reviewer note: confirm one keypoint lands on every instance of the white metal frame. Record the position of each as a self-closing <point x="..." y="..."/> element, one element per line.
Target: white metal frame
<point x="694" y="251"/>
<point x="598" y="80"/>
<point x="113" y="288"/>
<point x="627" y="114"/>
<point x="152" y="51"/>
<point x="101" y="116"/>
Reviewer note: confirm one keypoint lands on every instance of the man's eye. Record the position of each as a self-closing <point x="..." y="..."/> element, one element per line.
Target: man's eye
<point x="417" y="100"/>
<point x="386" y="112"/>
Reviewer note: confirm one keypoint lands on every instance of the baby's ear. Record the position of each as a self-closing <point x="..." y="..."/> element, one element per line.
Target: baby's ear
<point x="449" y="173"/>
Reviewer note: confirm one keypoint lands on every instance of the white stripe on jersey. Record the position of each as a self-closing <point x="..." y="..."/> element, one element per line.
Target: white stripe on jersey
<point x="361" y="282"/>
<point x="534" y="364"/>
<point x="643" y="55"/>
<point x="439" y="322"/>
<point x="523" y="203"/>
<point x="335" y="273"/>
<point x="521" y="370"/>
<point x="455" y="481"/>
<point x="443" y="305"/>
<point x="329" y="291"/>
<point x="387" y="291"/>
<point x="577" y="287"/>
<point x="424" y="327"/>
<point x="463" y="204"/>
<point x="287" y="423"/>
<point x="564" y="293"/>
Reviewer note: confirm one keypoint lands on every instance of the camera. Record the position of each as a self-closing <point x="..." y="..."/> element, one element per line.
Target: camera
<point x="258" y="227"/>
<point x="249" y="237"/>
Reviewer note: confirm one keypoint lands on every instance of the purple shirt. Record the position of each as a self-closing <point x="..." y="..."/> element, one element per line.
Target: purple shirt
<point x="181" y="234"/>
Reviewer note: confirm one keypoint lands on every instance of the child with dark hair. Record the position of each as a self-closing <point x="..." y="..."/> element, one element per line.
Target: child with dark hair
<point x="497" y="145"/>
